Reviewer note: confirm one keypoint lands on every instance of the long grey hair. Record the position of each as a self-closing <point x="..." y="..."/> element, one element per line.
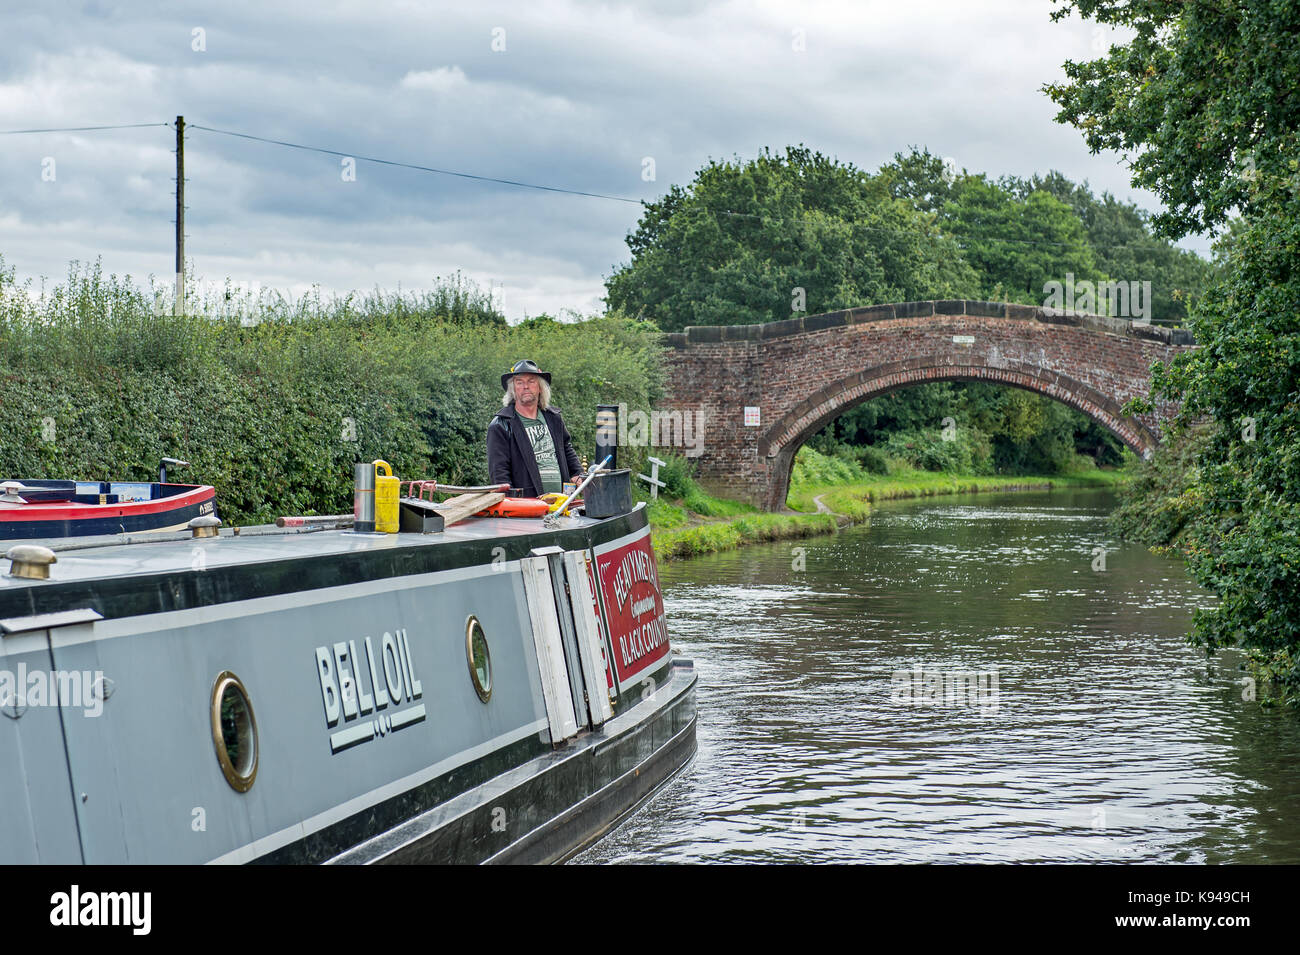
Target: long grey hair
<point x="543" y="399"/>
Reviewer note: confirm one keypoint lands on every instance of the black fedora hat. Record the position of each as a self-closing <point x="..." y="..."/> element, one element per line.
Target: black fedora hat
<point x="525" y="367"/>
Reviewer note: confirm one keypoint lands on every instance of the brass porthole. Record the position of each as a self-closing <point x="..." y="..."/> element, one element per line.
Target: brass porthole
<point x="234" y="731"/>
<point x="480" y="661"/>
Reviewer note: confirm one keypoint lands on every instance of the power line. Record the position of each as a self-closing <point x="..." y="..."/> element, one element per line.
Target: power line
<point x="558" y="189"/>
<point x="79" y="129"/>
<point x="406" y="165"/>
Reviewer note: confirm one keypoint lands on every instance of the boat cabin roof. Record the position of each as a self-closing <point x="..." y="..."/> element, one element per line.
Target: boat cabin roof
<point x="467" y="543"/>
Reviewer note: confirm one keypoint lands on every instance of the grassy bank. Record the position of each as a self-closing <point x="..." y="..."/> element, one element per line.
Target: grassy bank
<point x="682" y="530"/>
<point x="852" y="499"/>
<point x="687" y="522"/>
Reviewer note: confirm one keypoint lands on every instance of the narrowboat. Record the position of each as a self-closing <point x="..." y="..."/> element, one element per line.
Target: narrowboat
<point x="40" y="508"/>
<point x="501" y="690"/>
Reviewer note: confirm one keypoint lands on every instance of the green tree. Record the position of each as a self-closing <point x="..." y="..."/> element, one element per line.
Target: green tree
<point x="921" y="179"/>
<point x="1206" y="100"/>
<point x="738" y="243"/>
<point x="1127" y="250"/>
<point x="1018" y="244"/>
<point x="1017" y="238"/>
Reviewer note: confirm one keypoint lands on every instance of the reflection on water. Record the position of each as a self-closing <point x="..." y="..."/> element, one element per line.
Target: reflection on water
<point x="956" y="683"/>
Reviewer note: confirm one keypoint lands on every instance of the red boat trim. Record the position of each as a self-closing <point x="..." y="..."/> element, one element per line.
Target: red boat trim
<point x="79" y="512"/>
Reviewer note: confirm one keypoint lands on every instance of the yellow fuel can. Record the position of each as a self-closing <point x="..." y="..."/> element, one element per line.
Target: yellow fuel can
<point x="388" y="491"/>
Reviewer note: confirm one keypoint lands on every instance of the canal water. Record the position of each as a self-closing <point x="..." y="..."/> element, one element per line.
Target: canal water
<point x="990" y="678"/>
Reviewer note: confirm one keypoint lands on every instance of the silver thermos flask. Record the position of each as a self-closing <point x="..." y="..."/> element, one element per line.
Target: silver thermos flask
<point x="363" y="498"/>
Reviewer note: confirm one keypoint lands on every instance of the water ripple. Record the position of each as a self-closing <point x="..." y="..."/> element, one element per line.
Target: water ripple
<point x="958" y="683"/>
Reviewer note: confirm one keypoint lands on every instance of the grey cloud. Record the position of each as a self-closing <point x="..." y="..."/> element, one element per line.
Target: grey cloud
<point x="583" y="92"/>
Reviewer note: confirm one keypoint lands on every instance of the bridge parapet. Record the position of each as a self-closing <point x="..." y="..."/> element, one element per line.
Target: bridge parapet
<point x="702" y="334"/>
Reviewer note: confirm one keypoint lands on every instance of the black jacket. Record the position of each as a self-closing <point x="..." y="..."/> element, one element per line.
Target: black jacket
<point x="510" y="455"/>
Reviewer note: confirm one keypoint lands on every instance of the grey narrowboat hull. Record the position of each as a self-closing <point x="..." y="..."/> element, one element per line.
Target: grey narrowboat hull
<point x="558" y="803"/>
<point x="372" y="742"/>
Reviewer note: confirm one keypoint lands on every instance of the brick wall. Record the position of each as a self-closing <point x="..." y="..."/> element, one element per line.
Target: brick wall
<point x="804" y="372"/>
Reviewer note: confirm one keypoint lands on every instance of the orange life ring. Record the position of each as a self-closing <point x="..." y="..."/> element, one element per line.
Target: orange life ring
<point x="516" y="507"/>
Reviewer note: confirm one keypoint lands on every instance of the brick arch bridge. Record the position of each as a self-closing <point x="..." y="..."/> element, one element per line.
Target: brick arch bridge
<point x="804" y="372"/>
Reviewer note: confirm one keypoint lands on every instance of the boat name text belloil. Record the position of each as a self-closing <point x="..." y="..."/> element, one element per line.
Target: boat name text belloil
<point x="381" y="683"/>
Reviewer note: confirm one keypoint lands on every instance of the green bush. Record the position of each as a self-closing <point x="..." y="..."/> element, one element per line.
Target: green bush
<point x="273" y="406"/>
<point x="678" y="475"/>
<point x="873" y="460"/>
<point x="967" y="452"/>
<point x="814" y="469"/>
<point x="1157" y="505"/>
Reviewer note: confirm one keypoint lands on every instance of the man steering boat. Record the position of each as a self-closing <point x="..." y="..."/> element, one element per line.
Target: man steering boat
<point x="528" y="446"/>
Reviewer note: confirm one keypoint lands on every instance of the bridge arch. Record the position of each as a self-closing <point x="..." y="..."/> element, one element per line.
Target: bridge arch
<point x="782" y="441"/>
<point x="794" y="376"/>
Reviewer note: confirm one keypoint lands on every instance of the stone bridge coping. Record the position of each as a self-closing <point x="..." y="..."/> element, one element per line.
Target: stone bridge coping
<point x="707" y="334"/>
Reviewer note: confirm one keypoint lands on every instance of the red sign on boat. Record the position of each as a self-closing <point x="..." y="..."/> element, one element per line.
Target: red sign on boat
<point x="634" y="607"/>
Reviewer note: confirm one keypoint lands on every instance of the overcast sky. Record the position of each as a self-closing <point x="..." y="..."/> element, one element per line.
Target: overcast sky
<point x="565" y="93"/>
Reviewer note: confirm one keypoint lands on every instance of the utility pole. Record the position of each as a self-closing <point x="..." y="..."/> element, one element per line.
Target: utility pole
<point x="180" y="215"/>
